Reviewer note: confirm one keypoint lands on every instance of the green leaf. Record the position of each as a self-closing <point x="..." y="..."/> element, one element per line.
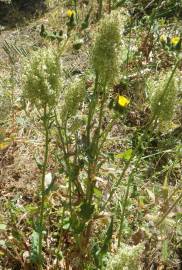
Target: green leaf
<point x="77" y="225"/>
<point x="108" y="238"/>
<point x="35" y="247"/>
<point x="65" y="223"/>
<point x="125" y="155"/>
<point x="17" y="234"/>
<point x="3" y="227"/>
<point x="97" y="192"/>
<point x="165" y="253"/>
<point x="39" y="164"/>
<point x="86" y="210"/>
<point x="85" y="23"/>
<point x="78" y="43"/>
<point x="96" y="255"/>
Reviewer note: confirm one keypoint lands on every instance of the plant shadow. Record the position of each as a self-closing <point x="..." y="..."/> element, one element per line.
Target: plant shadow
<point x="17" y="11"/>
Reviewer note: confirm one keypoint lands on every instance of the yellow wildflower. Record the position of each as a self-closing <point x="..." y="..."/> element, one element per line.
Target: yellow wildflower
<point x="163" y="39"/>
<point x="175" y="40"/>
<point x="4" y="145"/>
<point x="122" y="101"/>
<point x="70" y="13"/>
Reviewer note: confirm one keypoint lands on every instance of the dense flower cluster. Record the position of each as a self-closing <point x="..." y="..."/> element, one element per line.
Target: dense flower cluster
<point x="105" y="58"/>
<point x="41" y="78"/>
<point x="73" y="96"/>
<point x="163" y="94"/>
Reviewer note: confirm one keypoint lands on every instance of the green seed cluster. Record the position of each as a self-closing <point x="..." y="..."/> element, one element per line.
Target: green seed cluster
<point x="164" y="96"/>
<point x="42" y="78"/>
<point x="73" y="97"/>
<point x="105" y="58"/>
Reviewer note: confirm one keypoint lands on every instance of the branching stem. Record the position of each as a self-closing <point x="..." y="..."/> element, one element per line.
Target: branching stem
<point x="43" y="195"/>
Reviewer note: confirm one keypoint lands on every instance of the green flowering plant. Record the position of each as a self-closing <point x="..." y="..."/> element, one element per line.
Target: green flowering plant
<point x="78" y="120"/>
<point x="41" y="87"/>
<point x="81" y="136"/>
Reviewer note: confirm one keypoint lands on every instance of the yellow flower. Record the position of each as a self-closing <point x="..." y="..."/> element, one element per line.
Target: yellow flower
<point x="122" y="101"/>
<point x="163" y="39"/>
<point x="175" y="40"/>
<point x="70" y="13"/>
<point x="4" y="145"/>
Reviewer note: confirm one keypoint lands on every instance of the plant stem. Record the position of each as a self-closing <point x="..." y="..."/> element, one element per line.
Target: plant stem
<point x="100" y="9"/>
<point x="110" y="6"/>
<point x="64" y="142"/>
<point x="169" y="210"/>
<point x="46" y="127"/>
<point x="124" y="208"/>
<point x="89" y="143"/>
<point x="92" y="105"/>
<point x="75" y="7"/>
<point x="94" y="147"/>
<point x="118" y="182"/>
